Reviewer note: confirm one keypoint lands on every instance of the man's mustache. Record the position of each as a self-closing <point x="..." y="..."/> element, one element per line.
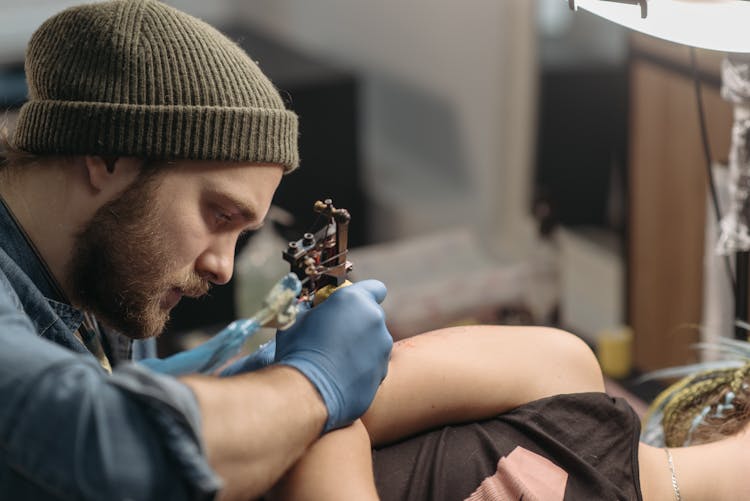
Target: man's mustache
<point x="195" y="286"/>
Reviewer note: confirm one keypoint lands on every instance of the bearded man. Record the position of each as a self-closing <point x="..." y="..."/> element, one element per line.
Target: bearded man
<point x="149" y="143"/>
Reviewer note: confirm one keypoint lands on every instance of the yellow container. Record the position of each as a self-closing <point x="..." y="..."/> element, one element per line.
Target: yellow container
<point x="614" y="349"/>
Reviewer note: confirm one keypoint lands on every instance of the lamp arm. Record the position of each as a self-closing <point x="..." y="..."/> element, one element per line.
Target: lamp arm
<point x="642" y="3"/>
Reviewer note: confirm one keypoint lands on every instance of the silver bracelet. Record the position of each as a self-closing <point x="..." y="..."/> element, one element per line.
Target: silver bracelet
<point x="674" y="475"/>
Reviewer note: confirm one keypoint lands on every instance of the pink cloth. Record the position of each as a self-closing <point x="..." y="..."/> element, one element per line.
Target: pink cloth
<point x="523" y="475"/>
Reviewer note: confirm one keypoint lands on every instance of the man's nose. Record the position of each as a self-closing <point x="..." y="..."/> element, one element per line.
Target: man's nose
<point x="216" y="264"/>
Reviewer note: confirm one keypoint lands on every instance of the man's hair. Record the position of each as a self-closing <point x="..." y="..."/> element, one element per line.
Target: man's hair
<point x="12" y="158"/>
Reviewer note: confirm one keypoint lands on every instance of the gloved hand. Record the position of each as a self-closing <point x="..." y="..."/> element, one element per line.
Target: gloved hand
<point x="262" y="357"/>
<point x="342" y="346"/>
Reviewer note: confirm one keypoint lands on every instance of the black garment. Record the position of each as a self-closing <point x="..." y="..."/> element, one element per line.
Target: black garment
<point x="592" y="436"/>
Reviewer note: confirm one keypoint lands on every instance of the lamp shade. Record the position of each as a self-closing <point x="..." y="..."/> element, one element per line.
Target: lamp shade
<point x="722" y="25"/>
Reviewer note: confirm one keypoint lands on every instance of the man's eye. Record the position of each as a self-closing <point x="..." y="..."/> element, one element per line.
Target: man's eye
<point x="226" y="218"/>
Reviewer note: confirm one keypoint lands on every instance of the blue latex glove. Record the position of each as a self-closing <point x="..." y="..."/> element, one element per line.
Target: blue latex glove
<point x="342" y="346"/>
<point x="280" y="304"/>
<point x="208" y="356"/>
<point x="262" y="357"/>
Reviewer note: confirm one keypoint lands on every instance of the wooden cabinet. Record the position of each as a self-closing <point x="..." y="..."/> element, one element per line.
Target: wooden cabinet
<point x="667" y="196"/>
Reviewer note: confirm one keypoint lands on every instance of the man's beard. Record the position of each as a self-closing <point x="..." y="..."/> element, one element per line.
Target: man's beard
<point x="122" y="268"/>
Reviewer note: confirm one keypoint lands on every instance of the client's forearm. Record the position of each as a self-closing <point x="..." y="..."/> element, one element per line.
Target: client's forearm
<point x="468" y="373"/>
<point x="338" y="466"/>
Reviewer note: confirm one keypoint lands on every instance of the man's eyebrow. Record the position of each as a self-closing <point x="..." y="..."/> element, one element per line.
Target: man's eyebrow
<point x="247" y="212"/>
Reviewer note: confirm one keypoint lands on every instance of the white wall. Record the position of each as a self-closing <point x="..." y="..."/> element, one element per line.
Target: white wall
<point x="20" y="18"/>
<point x="211" y="11"/>
<point x="447" y="105"/>
<point x="447" y="99"/>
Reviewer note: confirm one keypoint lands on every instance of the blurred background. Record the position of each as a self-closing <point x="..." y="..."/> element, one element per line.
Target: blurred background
<point x="504" y="161"/>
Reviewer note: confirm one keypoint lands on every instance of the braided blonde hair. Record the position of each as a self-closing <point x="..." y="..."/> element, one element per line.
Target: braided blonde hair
<point x="705" y="407"/>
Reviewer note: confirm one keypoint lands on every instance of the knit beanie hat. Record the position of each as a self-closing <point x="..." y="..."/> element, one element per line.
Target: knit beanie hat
<point x="140" y="78"/>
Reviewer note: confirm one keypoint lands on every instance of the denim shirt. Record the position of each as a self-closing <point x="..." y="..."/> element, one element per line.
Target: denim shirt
<point x="70" y="430"/>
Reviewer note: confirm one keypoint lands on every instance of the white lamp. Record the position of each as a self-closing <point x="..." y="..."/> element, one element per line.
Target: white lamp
<point x="721" y="25"/>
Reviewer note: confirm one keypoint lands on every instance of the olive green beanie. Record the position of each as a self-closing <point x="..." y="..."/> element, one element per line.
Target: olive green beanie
<point x="140" y="78"/>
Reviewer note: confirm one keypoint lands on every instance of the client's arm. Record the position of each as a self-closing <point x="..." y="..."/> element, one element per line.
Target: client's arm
<point x="469" y="373"/>
<point x="447" y="376"/>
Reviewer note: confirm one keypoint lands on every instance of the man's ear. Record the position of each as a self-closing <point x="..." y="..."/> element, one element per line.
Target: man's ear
<point x="110" y="174"/>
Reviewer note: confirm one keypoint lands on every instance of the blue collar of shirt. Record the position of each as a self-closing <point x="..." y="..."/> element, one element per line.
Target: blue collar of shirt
<point x="20" y="250"/>
<point x="31" y="282"/>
